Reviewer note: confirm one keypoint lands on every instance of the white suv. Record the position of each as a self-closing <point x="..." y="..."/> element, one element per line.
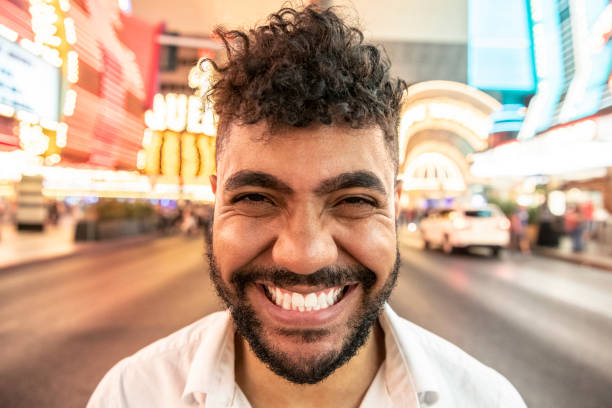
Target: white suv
<point x="466" y="228"/>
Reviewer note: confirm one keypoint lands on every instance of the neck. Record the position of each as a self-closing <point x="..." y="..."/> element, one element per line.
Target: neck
<point x="345" y="387"/>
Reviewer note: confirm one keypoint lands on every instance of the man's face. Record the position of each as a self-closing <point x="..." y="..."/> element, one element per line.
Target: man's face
<point x="304" y="249"/>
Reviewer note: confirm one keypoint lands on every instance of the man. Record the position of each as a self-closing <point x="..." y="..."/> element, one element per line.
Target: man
<point x="303" y="247"/>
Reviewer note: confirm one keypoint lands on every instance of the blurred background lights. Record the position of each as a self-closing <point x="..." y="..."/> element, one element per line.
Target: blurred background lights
<point x="64" y="5"/>
<point x="32" y="139"/>
<point x="141" y="160"/>
<point x="73" y="66"/>
<point x="8" y="33"/>
<point x="556" y="202"/>
<point x="478" y="201"/>
<point x="147" y="137"/>
<point x="525" y="200"/>
<point x="575" y="195"/>
<point x="70" y="30"/>
<point x="53" y="159"/>
<point x="125" y="6"/>
<point x="70" y="102"/>
<point x="61" y="135"/>
<point x="7" y="111"/>
<point x="27" y="117"/>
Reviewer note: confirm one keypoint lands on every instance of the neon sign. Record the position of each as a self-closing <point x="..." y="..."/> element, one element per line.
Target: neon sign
<point x="180" y="113"/>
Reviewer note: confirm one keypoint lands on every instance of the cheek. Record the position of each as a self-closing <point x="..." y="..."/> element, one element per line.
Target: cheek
<point x="238" y="240"/>
<point x="372" y="244"/>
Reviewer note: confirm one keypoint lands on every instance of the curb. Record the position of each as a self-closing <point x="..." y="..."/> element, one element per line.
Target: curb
<point x="81" y="249"/>
<point x="576" y="259"/>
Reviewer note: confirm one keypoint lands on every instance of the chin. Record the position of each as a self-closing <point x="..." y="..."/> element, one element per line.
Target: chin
<point x="304" y="353"/>
<point x="297" y="338"/>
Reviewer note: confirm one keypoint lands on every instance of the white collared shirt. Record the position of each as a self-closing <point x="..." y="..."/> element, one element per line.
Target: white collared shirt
<point x="194" y="367"/>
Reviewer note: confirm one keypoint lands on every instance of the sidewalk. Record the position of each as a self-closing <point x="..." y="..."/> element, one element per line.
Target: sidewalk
<point x="18" y="247"/>
<point x="594" y="254"/>
<point x="56" y="241"/>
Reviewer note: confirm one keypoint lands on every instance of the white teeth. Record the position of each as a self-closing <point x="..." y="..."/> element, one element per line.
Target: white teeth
<point x="337" y="295"/>
<point x="322" y="301"/>
<point x="297" y="302"/>
<point x="286" y="301"/>
<point x="279" y="296"/>
<point x="309" y="302"/>
<point x="331" y="299"/>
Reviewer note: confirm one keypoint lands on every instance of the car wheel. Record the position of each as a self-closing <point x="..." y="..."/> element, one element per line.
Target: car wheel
<point x="447" y="247"/>
<point x="495" y="252"/>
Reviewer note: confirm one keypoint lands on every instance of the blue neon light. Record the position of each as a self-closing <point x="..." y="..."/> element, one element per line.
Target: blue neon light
<point x="499" y="46"/>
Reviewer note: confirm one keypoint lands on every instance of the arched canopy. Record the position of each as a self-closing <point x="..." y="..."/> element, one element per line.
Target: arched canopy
<point x="446" y="106"/>
<point x="432" y="171"/>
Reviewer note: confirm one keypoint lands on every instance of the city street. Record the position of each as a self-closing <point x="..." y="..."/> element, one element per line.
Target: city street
<point x="545" y="324"/>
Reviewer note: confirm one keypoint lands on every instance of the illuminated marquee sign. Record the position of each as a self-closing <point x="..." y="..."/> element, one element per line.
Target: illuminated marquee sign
<point x="28" y="83"/>
<point x="179" y="113"/>
<point x="592" y="58"/>
<point x="180" y="138"/>
<point x="545" y="27"/>
<point x="499" y="46"/>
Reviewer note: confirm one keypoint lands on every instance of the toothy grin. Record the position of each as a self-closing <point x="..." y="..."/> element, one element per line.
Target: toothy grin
<point x="305" y="302"/>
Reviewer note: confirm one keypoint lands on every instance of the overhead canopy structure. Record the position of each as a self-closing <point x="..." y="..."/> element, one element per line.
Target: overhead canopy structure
<point x="442" y="122"/>
<point x="433" y="171"/>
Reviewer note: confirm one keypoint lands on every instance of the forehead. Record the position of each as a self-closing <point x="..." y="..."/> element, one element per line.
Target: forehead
<point x="313" y="153"/>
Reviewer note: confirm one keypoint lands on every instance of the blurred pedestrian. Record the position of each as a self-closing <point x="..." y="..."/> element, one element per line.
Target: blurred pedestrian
<point x="575" y="223"/>
<point x="519" y="222"/>
<point x="548" y="235"/>
<point x="53" y="213"/>
<point x="189" y="224"/>
<point x="588" y="209"/>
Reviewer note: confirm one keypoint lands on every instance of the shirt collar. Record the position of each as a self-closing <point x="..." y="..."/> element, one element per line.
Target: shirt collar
<point x="211" y="375"/>
<point x="407" y="362"/>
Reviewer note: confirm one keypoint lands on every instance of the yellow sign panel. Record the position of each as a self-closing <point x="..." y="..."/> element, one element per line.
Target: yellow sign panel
<point x="179" y="154"/>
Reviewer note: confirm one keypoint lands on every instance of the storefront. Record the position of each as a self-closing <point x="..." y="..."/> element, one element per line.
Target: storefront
<point x="75" y="82"/>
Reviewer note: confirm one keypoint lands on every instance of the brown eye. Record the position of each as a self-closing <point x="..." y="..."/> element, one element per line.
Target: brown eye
<point x="252" y="197"/>
<point x="359" y="201"/>
<point x="355" y="207"/>
<point x="253" y="201"/>
<point x="254" y="205"/>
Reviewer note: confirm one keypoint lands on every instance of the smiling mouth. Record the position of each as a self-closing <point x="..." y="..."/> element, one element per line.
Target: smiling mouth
<point x="308" y="302"/>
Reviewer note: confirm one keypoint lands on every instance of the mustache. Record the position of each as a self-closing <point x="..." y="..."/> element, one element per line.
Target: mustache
<point x="327" y="276"/>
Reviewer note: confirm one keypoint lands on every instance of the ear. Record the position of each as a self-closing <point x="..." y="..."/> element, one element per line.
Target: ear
<point x="397" y="196"/>
<point x="213" y="182"/>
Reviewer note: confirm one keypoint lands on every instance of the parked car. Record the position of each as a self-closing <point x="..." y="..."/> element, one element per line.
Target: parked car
<point x="466" y="228"/>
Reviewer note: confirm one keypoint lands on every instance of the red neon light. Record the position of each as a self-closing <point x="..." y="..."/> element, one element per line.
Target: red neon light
<point x="101" y="130"/>
<point x="87" y="44"/>
<point x="16" y="19"/>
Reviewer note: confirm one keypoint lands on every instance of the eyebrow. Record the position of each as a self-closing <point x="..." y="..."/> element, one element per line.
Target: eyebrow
<point x="360" y="178"/>
<point x="251" y="178"/>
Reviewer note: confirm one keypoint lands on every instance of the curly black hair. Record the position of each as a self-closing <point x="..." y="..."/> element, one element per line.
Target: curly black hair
<point x="301" y="68"/>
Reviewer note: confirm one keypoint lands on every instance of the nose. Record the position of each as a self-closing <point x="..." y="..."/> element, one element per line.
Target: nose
<point x="304" y="244"/>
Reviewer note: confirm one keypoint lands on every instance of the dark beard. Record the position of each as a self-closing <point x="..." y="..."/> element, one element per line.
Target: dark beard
<point x="311" y="370"/>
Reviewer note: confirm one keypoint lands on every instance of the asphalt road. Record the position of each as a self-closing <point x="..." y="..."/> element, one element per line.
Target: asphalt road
<point x="546" y="325"/>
